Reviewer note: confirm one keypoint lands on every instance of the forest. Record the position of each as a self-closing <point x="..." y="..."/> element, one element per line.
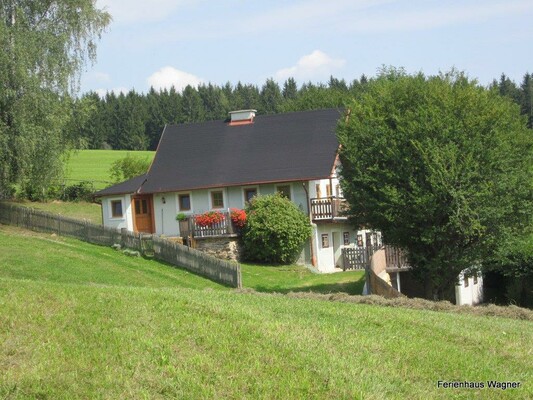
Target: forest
<point x="134" y="120"/>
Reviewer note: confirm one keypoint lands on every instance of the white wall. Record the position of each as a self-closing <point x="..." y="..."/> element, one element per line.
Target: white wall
<point x="165" y="214"/>
<point x="471" y="294"/>
<point x="126" y="221"/>
<point x="323" y="188"/>
<point x="326" y="258"/>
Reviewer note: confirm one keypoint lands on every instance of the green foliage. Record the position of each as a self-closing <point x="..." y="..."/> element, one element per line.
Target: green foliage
<point x="441" y="166"/>
<point x="515" y="259"/>
<point x="43" y="46"/>
<point x="82" y="191"/>
<point x="181" y="217"/>
<point x="128" y="167"/>
<point x="275" y="230"/>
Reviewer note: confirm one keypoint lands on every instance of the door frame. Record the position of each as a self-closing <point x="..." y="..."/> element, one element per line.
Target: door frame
<point x="336" y="242"/>
<point x="150" y="199"/>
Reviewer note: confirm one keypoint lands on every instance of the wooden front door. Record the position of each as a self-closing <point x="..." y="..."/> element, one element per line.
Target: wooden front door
<point x="143" y="211"/>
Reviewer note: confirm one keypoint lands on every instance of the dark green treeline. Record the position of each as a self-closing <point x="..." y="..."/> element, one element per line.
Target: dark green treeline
<point x="134" y="121"/>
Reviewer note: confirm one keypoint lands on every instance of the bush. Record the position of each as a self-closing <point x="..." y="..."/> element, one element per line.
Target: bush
<point x="82" y="191"/>
<point x="128" y="167"/>
<point x="275" y="230"/>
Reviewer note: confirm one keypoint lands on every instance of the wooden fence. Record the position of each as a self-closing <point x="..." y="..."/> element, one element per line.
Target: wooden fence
<point x="360" y="257"/>
<point x="396" y="258"/>
<point x="224" y="227"/>
<point x="357" y="257"/>
<point x="225" y="272"/>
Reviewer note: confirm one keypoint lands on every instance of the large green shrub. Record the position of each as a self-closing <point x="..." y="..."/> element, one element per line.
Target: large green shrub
<point x="275" y="230"/>
<point x="128" y="167"/>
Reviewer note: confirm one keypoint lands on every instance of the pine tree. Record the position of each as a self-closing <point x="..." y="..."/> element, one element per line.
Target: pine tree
<point x="526" y="98"/>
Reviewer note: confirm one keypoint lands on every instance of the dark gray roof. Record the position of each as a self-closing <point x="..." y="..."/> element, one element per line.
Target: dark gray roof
<point x="129" y="186"/>
<point x="275" y="148"/>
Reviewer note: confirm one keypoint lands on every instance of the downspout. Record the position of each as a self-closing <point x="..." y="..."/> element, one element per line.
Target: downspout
<point x="313" y="256"/>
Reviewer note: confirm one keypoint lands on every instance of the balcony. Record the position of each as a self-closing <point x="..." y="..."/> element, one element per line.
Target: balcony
<point x="328" y="208"/>
<point x="189" y="227"/>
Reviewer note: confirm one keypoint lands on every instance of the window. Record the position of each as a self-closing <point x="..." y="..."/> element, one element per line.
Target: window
<point x="346" y="237"/>
<point x="184" y="201"/>
<point x="368" y="239"/>
<point x="285" y="191"/>
<point x="318" y="191"/>
<point x="475" y="278"/>
<point x="116" y="208"/>
<point x="360" y="240"/>
<point x="141" y="206"/>
<point x="466" y="278"/>
<point x="217" y="199"/>
<point x="338" y="191"/>
<point x="249" y="194"/>
<point x="325" y="240"/>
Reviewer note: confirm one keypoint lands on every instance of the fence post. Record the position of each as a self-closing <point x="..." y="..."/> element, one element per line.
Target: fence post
<point x="123" y="234"/>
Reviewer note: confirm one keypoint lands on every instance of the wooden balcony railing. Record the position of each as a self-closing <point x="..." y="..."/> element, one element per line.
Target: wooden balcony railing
<point x="224" y="227"/>
<point x="328" y="208"/>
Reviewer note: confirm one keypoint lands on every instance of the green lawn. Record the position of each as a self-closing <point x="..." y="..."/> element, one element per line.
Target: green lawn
<point x="78" y="210"/>
<point x="80" y="321"/>
<point x="295" y="278"/>
<point x="41" y="257"/>
<point x="94" y="165"/>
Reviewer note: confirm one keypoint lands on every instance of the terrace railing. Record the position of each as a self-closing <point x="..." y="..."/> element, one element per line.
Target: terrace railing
<point x="360" y="257"/>
<point x="328" y="208"/>
<point x="222" y="228"/>
<point x="396" y="258"/>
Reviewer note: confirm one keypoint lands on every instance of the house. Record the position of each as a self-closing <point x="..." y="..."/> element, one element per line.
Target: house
<point x="219" y="165"/>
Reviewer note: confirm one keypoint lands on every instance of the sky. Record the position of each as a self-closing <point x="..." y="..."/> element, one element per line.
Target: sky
<point x="161" y="43"/>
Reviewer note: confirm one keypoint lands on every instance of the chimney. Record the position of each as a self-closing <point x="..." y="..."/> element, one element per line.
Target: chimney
<point x="242" y="117"/>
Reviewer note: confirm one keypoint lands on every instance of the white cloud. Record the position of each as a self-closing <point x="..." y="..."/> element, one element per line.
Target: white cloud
<point x="168" y="76"/>
<point x="315" y="66"/>
<point x="127" y="11"/>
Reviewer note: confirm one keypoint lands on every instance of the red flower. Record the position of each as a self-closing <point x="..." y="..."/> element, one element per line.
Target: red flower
<point x="209" y="218"/>
<point x="238" y="217"/>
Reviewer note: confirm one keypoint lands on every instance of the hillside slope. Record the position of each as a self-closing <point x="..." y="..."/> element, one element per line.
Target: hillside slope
<point x="72" y="327"/>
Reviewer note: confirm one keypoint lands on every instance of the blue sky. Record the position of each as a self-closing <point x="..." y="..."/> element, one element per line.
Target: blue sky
<point x="180" y="42"/>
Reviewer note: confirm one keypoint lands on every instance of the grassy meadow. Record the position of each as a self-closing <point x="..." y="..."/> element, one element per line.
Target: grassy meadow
<point x="82" y="321"/>
<point x="94" y="165"/>
<point x="75" y="209"/>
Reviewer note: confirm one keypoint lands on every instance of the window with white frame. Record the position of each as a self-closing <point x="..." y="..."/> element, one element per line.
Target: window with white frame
<point x="346" y="238"/>
<point x="184" y="202"/>
<point x="217" y="199"/>
<point x="116" y="209"/>
<point x="325" y="240"/>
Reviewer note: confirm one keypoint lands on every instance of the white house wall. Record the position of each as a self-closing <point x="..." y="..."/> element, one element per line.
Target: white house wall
<point x="125" y="221"/>
<point x="323" y="183"/>
<point x="165" y="214"/>
<point x="329" y="258"/>
<point x="471" y="293"/>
